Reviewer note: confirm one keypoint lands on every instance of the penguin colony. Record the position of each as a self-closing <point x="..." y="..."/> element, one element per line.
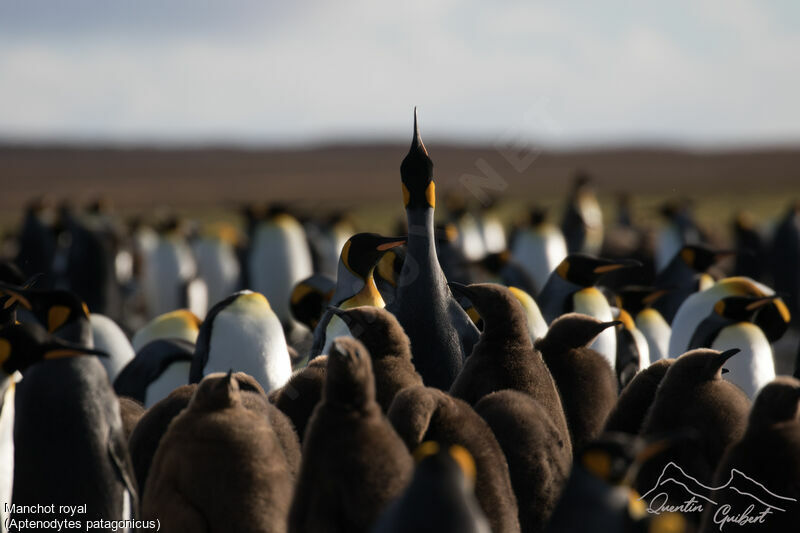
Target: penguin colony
<point x="302" y="377"/>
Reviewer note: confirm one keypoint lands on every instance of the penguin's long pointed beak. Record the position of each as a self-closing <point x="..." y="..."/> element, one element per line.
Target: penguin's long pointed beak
<point x="761" y="302"/>
<point x="460" y="289"/>
<point x="15" y="295"/>
<point x="391" y="242"/>
<point x="616" y="265"/>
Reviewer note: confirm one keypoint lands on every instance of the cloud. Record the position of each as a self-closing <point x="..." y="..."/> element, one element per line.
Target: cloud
<point x="710" y="71"/>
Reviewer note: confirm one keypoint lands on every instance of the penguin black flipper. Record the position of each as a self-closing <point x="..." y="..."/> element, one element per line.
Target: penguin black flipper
<point x="319" y="334"/>
<point x="121" y="461"/>
<point x="203" y="345"/>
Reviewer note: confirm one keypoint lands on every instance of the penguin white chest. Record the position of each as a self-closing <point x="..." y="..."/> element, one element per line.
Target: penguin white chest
<point x="251" y="341"/>
<point x="754" y="366"/>
<point x="591" y="301"/>
<point x="171" y="378"/>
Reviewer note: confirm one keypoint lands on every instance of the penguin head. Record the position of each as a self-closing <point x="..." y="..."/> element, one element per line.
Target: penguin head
<point x="377" y="329"/>
<point x="496" y="305"/>
<point x="11" y="274"/>
<point x="23" y="345"/>
<point x="453" y="463"/>
<point x="609" y="457"/>
<point x="310" y="298"/>
<point x="178" y="324"/>
<point x="217" y="391"/>
<point x="55" y="310"/>
<point x="778" y="401"/>
<point x="773" y="318"/>
<point x="349" y="382"/>
<point x="573" y="330"/>
<point x="741" y="308"/>
<point x="494" y="262"/>
<point x="700" y="258"/>
<point x="585" y="270"/>
<point x="390" y="265"/>
<point x="702" y="364"/>
<point x="634" y="298"/>
<point x="362" y="252"/>
<point x="416" y="173"/>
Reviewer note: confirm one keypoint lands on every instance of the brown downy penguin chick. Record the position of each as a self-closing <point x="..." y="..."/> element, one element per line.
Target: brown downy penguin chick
<point x="586" y="382"/>
<point x="143" y="442"/>
<point x="538" y="455"/>
<point x="693" y="396"/>
<point x="131" y="412"/>
<point x="217" y="442"/>
<point x="354" y="463"/>
<point x="504" y="356"/>
<point x="254" y="399"/>
<point x="425" y="413"/>
<point x="636" y="398"/>
<point x="769" y="453"/>
<point x="301" y="394"/>
<point x="389" y="347"/>
<point x="440" y="498"/>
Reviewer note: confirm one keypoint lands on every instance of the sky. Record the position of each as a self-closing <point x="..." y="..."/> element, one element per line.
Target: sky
<point x="696" y="72"/>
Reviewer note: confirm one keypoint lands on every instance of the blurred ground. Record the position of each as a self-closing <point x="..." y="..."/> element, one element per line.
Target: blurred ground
<point x="207" y="183"/>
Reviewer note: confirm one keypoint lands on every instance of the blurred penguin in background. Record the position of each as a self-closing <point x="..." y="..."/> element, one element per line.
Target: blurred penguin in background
<point x="279" y="258"/>
<point x="681" y="228"/>
<point x="785" y="257"/>
<point x="750" y="247"/>
<point x="582" y="224"/>
<point x="538" y="247"/>
<point x="217" y="263"/>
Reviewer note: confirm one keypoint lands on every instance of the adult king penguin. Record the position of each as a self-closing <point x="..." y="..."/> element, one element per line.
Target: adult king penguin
<point x="243" y="333"/>
<point x="539" y="248"/>
<point x="69" y="442"/>
<point x="441" y="333"/>
<point x="731" y="325"/>
<point x="570" y="288"/>
<point x="355" y="285"/>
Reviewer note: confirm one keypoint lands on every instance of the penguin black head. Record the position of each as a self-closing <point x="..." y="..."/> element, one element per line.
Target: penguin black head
<point x="494" y="262"/>
<point x="585" y="270"/>
<point x="573" y="330"/>
<point x="349" y="382"/>
<point x="362" y="251"/>
<point x="537" y="216"/>
<point x="634" y="298"/>
<point x="23" y="345"/>
<point x="310" y="298"/>
<point x="378" y="329"/>
<point x="11" y="274"/>
<point x="610" y="456"/>
<point x="778" y="401"/>
<point x="702" y="364"/>
<point x="217" y="391"/>
<point x="416" y="172"/>
<point x="700" y="258"/>
<point x="391" y="265"/>
<point x="495" y="304"/>
<point x="454" y="463"/>
<point x="741" y="308"/>
<point x="54" y="309"/>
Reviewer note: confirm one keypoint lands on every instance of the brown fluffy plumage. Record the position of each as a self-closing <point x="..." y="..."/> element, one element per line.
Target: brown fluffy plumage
<point x="769" y="453"/>
<point x="693" y="396"/>
<point x="144" y="440"/>
<point x="298" y="397"/>
<point x="586" y="382"/>
<point x="635" y="400"/>
<point x="504" y="357"/>
<point x="538" y="455"/>
<point x="130" y="411"/>
<point x="389" y="347"/>
<point x="423" y="413"/>
<point x="354" y="463"/>
<point x="219" y="467"/>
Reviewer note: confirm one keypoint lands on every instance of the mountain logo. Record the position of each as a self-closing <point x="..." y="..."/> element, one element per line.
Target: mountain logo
<point x="678" y="492"/>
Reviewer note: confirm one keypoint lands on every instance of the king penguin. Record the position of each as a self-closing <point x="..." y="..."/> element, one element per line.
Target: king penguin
<point x="731" y="325"/>
<point x="773" y="319"/>
<point x="109" y="338"/>
<point x="279" y="258"/>
<point x="586" y="383"/>
<point x="217" y="263"/>
<point x="69" y="442"/>
<point x="441" y="333"/>
<point x="693" y="396"/>
<point x="242" y="332"/>
<point x="570" y="288"/>
<point x="635" y="399"/>
<point x="218" y="442"/>
<point x="583" y="220"/>
<point x="769" y="453"/>
<point x="354" y="463"/>
<point x="440" y="497"/>
<point x="160" y="367"/>
<point x="539" y="248"/>
<point x="179" y="324"/>
<point x="355" y="284"/>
